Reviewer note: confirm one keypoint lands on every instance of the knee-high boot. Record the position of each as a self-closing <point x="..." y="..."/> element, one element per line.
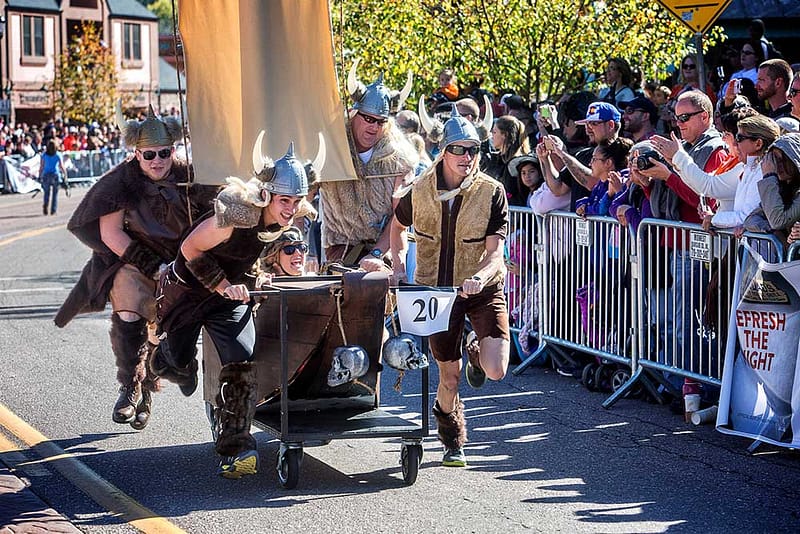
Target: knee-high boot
<point x="127" y="339"/>
<point x="236" y="404"/>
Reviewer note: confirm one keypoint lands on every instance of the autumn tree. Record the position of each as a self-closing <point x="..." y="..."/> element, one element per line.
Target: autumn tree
<point x="540" y="48"/>
<point x="85" y="85"/>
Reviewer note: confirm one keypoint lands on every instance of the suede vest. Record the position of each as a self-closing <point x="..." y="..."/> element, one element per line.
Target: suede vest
<point x="451" y="241"/>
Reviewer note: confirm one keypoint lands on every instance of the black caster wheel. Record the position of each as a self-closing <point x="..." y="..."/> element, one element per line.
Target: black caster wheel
<point x="602" y="378"/>
<point x="410" y="459"/>
<point x="588" y="376"/>
<point x="289" y="467"/>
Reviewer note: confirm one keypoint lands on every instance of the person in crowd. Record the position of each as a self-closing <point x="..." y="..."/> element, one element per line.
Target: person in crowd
<point x="689" y="78"/>
<point x="794" y="96"/>
<point x="607" y="160"/>
<point x="356" y="213"/>
<point x="509" y="141"/>
<point x="133" y="219"/>
<point x="71" y="141"/>
<point x="639" y="119"/>
<point x="618" y="82"/>
<point x="631" y="205"/>
<point x="779" y="189"/>
<point x="25" y="148"/>
<point x="756" y="31"/>
<point x="455" y="192"/>
<point x="286" y="256"/>
<point x="205" y="288"/>
<point x="408" y="121"/>
<point x="447" y="90"/>
<point x="751" y="56"/>
<point x="772" y="86"/>
<point x="545" y="199"/>
<point x="51" y="174"/>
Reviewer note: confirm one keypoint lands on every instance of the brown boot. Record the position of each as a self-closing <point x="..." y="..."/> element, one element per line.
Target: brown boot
<point x="237" y="402"/>
<point x="125" y="407"/>
<point x="143" y="411"/>
<point x="127" y="339"/>
<point x="452" y="428"/>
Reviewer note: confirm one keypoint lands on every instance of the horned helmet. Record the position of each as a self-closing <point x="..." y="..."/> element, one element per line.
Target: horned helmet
<point x="152" y="131"/>
<point x="435" y="128"/>
<point x="376" y="99"/>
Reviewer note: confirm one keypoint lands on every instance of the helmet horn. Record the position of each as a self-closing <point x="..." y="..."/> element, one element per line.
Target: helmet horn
<point x="405" y="91"/>
<point x="120" y="117"/>
<point x="424" y="118"/>
<point x="319" y="161"/>
<point x="258" y="157"/>
<point x="488" y="115"/>
<point x="352" y="79"/>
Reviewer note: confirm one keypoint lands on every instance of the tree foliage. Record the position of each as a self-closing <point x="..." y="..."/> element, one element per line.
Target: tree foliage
<point x="85" y="84"/>
<point x="538" y="48"/>
<point x="163" y="10"/>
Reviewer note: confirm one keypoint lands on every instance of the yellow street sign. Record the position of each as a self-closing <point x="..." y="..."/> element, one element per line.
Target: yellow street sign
<point x="698" y="15"/>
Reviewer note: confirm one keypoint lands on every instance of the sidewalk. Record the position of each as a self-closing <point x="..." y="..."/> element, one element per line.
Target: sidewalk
<point x="22" y="511"/>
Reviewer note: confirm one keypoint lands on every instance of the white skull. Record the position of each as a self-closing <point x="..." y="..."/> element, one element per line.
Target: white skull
<point x="349" y="362"/>
<point x="402" y="353"/>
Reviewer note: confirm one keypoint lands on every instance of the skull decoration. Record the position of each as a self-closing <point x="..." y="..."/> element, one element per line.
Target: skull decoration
<point x="402" y="353"/>
<point x="349" y="362"/>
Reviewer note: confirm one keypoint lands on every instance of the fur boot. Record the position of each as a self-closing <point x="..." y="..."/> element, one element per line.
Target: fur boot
<point x="237" y="402"/>
<point x="452" y="426"/>
<point x="127" y="339"/>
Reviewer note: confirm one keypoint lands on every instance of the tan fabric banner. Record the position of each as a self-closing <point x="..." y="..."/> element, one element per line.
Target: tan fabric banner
<point x="253" y="65"/>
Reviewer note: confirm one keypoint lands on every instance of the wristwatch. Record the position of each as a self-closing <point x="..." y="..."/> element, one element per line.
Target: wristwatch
<point x="376" y="253"/>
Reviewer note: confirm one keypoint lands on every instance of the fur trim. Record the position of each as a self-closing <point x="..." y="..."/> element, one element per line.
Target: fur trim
<point x="132" y="131"/>
<point x="305" y="209"/>
<point x="127" y="339"/>
<point x="452" y="426"/>
<point x="239" y="203"/>
<point x="207" y="271"/>
<point x="237" y="402"/>
<point x="142" y="257"/>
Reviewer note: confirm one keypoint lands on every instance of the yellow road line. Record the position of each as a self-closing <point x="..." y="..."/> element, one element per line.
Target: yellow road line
<point x="97" y="488"/>
<point x="31" y="233"/>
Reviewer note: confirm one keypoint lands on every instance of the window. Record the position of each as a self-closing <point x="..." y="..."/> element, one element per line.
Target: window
<point x="90" y="4"/>
<point x="32" y="36"/>
<point x="131" y="42"/>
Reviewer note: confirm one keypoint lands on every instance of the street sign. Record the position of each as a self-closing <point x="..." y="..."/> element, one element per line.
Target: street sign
<point x="698" y="15"/>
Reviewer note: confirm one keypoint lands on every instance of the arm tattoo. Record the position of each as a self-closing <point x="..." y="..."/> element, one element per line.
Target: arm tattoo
<point x="578" y="170"/>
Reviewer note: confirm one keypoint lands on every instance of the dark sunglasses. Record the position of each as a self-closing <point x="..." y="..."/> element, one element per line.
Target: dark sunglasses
<point x="150" y="155"/>
<point x="290" y="249"/>
<point x="373" y="120"/>
<point x="741" y="137"/>
<point x="690" y="67"/>
<point x="458" y="150"/>
<point x="684" y="117"/>
<point x="794" y="92"/>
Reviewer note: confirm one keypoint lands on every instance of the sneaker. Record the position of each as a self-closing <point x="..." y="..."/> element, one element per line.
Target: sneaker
<point x="454" y="458"/>
<point x="475" y="375"/>
<point x="235" y="467"/>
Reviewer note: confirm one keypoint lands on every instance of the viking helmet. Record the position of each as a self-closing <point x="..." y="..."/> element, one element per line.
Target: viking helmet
<point x="286" y="176"/>
<point x="444" y="134"/>
<point x="402" y="353"/>
<point x="349" y="363"/>
<point x="376" y="99"/>
<point x="456" y="129"/>
<point x="152" y="131"/>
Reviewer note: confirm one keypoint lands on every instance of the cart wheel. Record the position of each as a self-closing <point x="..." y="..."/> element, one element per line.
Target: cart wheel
<point x="410" y="458"/>
<point x="212" y="421"/>
<point x="587" y="376"/>
<point x="289" y="467"/>
<point x="602" y="378"/>
<point x="619" y="377"/>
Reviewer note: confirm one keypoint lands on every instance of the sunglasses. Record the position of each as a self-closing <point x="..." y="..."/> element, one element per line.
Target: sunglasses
<point x="684" y="117"/>
<point x="373" y="120"/>
<point x="458" y="150"/>
<point x="150" y="155"/>
<point x="741" y="137"/>
<point x="291" y="249"/>
<point x="794" y="92"/>
<point x="690" y="67"/>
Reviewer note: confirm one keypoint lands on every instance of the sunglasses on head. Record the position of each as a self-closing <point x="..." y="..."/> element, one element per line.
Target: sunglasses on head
<point x="291" y="249"/>
<point x="150" y="155"/>
<point x="684" y="117"/>
<point x="458" y="150"/>
<point x="373" y="120"/>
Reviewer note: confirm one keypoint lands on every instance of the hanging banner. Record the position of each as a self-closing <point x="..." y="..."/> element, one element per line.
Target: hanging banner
<point x="759" y="398"/>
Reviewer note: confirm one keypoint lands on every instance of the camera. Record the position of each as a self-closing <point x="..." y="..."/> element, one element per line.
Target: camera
<point x="643" y="159"/>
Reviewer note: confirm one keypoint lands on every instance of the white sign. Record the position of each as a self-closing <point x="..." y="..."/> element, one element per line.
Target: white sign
<point x="426" y="311"/>
<point x="700" y="246"/>
<point x="582" y="232"/>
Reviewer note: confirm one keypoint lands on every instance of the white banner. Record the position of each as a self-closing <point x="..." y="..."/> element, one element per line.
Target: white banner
<point x="758" y="397"/>
<point x="425" y="311"/>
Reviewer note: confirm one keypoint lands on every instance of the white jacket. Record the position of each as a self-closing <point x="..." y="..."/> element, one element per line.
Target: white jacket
<point x="746" y="199"/>
<point x="543" y="200"/>
<point x="721" y="187"/>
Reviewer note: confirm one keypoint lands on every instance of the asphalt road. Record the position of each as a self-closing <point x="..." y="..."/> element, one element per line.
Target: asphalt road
<point x="543" y="455"/>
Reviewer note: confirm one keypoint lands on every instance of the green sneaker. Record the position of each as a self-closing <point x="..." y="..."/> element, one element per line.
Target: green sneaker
<point x="235" y="467"/>
<point x="454" y="458"/>
<point x="476" y="378"/>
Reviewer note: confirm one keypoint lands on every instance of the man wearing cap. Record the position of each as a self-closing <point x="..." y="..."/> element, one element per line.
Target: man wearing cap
<point x="639" y="118"/>
<point x="356" y="213"/>
<point x="602" y="123"/>
<point x="132" y="219"/>
<point x="459" y="216"/>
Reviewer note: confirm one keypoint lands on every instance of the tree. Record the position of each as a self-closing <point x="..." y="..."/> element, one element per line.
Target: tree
<point x="540" y="48"/>
<point x="85" y="84"/>
<point x="163" y="9"/>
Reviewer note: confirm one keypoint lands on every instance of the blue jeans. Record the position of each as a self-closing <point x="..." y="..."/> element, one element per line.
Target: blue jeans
<point x="50" y="183"/>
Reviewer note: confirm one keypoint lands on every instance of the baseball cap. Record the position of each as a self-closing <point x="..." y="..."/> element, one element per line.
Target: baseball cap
<point x="600" y="112"/>
<point x="642" y="103"/>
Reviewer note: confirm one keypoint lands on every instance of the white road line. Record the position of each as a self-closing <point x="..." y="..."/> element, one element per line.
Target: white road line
<point x="33" y="290"/>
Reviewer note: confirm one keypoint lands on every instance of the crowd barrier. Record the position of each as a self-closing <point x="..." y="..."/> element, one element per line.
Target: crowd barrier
<point x="82" y="166"/>
<point x="653" y="305"/>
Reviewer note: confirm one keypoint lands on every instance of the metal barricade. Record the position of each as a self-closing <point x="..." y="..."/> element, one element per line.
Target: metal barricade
<point x="521" y="277"/>
<point x="85" y="166"/>
<point x="794" y="252"/>
<point x="683" y="318"/>
<point x="587" y="300"/>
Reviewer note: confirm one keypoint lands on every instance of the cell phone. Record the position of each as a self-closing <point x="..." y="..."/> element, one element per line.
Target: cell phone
<point x="544" y="111"/>
<point x="737" y="86"/>
<point x="548" y="144"/>
<point x="721" y="72"/>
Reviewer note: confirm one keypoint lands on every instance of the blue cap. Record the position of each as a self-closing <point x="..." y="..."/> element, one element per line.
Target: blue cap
<point x="601" y="112"/>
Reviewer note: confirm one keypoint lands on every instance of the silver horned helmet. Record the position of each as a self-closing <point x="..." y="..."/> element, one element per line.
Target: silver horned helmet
<point x="376" y="99"/>
<point x="286" y="176"/>
<point x="438" y="132"/>
<point x="402" y="353"/>
<point x="349" y="363"/>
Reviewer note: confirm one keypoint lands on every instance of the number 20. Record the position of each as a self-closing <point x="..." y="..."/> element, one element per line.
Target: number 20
<point x="432" y="309"/>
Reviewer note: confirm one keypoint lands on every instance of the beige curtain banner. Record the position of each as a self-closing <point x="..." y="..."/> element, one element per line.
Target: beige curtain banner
<point x="253" y="65"/>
